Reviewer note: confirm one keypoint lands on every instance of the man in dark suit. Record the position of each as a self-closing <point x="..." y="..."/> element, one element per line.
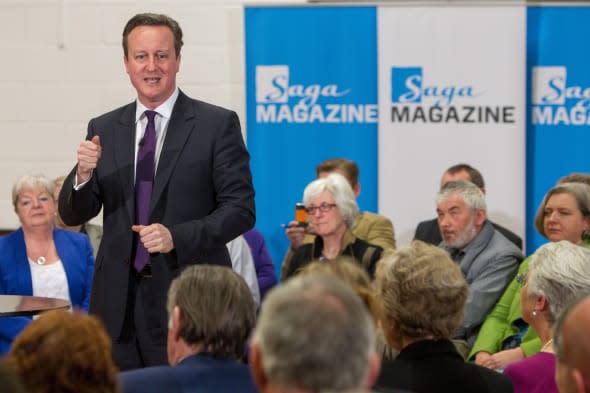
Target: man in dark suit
<point x="211" y="315"/>
<point x="172" y="176"/>
<point x="428" y="231"/>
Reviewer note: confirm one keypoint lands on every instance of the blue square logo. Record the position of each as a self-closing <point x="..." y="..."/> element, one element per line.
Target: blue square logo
<point x="406" y="84"/>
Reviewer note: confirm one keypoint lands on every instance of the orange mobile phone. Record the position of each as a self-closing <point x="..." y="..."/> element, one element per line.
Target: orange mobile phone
<point x="300" y="214"/>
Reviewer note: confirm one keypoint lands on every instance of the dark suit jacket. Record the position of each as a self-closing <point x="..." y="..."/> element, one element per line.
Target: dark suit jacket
<point x="75" y="252"/>
<point x="202" y="193"/>
<point x="428" y="232"/>
<point x="195" y="374"/>
<point x="434" y="366"/>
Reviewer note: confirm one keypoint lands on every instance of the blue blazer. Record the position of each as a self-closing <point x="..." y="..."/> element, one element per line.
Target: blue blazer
<point x="75" y="252"/>
<point x="196" y="374"/>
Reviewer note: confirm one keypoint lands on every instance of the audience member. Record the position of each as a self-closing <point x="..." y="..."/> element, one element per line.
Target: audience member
<point x="575" y="177"/>
<point x="63" y="352"/>
<point x="314" y="334"/>
<point x="370" y="227"/>
<point x="559" y="273"/>
<point x="38" y="259"/>
<point x="265" y="268"/>
<point x="9" y="381"/>
<point x="93" y="231"/>
<point x="487" y="259"/>
<point x="346" y="269"/>
<point x="571" y="342"/>
<point x="243" y="264"/>
<point x="428" y="231"/>
<point x="504" y="338"/>
<point x="422" y="295"/>
<point x="211" y="316"/>
<point x="332" y="208"/>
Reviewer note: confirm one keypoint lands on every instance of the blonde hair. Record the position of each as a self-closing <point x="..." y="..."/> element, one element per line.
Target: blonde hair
<point x="348" y="270"/>
<point x="421" y="292"/>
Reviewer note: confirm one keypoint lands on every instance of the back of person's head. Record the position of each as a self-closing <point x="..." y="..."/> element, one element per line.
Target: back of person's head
<point x="314" y="334"/>
<point x="216" y="309"/>
<point x="467" y="191"/>
<point x="348" y="168"/>
<point x="63" y="352"/>
<point x="575" y="177"/>
<point x="421" y="292"/>
<point x="571" y="343"/>
<point x="9" y="381"/>
<point x="474" y="174"/>
<point x="559" y="271"/>
<point x="348" y="270"/>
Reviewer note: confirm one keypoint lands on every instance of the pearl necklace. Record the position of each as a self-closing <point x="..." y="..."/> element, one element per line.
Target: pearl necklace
<point x="546" y="345"/>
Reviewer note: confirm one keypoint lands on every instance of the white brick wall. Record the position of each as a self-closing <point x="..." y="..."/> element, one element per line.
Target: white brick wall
<point x="63" y="64"/>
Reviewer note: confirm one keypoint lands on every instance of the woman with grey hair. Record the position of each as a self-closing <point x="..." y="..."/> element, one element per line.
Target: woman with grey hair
<point x="505" y="338"/>
<point x="422" y="294"/>
<point x="559" y="273"/>
<point x="331" y="207"/>
<point x="38" y="259"/>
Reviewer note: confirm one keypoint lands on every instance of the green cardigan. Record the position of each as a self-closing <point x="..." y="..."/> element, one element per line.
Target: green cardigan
<point x="500" y="323"/>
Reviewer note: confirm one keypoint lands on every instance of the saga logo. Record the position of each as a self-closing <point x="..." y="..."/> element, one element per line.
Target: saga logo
<point x="273" y="87"/>
<point x="408" y="87"/>
<point x="550" y="88"/>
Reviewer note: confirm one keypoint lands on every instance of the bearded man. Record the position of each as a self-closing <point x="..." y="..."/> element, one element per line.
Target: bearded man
<point x="487" y="259"/>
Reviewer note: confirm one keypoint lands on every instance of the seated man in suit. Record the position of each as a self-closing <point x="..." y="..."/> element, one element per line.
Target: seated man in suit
<point x="314" y="334"/>
<point x="571" y="343"/>
<point x="211" y="313"/>
<point x="487" y="259"/>
<point x="370" y="227"/>
<point x="428" y="231"/>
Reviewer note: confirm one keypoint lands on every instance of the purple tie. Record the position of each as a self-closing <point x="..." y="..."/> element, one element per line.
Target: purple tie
<point x="144" y="182"/>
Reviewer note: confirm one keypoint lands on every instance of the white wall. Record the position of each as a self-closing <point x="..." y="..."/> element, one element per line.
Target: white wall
<point x="62" y="64"/>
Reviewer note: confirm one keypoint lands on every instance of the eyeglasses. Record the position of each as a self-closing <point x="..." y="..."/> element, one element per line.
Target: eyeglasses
<point x="324" y="208"/>
<point x="521" y="279"/>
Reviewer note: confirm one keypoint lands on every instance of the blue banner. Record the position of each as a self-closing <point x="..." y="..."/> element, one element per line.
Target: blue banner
<point x="311" y="95"/>
<point x="558" y="102"/>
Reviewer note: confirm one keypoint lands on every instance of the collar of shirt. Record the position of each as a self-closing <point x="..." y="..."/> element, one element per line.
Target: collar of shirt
<point x="162" y="119"/>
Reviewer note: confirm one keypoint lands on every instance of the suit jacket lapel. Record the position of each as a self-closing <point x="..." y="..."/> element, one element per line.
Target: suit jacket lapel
<point x="179" y="129"/>
<point x="124" y="156"/>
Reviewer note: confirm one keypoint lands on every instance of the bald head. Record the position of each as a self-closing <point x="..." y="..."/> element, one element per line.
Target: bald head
<point x="572" y="339"/>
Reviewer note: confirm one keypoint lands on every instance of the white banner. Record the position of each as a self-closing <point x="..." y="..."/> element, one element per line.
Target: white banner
<point x="451" y="90"/>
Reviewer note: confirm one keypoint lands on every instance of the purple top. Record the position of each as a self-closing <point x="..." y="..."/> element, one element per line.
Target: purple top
<point x="535" y="374"/>
<point x="265" y="269"/>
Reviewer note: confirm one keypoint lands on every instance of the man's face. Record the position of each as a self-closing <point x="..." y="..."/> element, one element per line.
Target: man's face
<point x="458" y="223"/>
<point x="447" y="177"/>
<point x="152" y="64"/>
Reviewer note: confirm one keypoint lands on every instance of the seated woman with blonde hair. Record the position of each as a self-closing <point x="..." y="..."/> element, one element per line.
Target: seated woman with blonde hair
<point x="38" y="259"/>
<point x="422" y="296"/>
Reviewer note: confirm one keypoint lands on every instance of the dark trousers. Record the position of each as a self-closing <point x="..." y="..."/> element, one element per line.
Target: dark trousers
<point x="140" y="344"/>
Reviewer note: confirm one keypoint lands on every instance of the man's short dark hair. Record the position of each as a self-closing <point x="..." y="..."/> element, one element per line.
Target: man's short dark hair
<point x="216" y="309"/>
<point x="149" y="19"/>
<point x="348" y="168"/>
<point x="474" y="174"/>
